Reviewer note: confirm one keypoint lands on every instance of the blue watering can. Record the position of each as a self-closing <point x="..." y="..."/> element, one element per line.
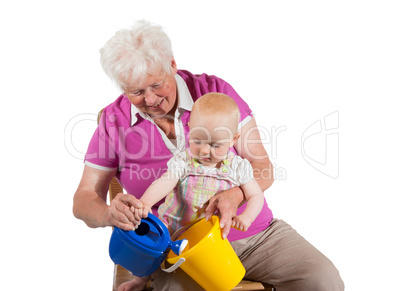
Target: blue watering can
<point x="142" y="251"/>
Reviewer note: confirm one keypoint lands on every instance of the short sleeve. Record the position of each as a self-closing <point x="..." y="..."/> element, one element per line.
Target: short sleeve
<point x="101" y="150"/>
<point x="199" y="85"/>
<point x="178" y="165"/>
<point x="245" y="112"/>
<point x="243" y="170"/>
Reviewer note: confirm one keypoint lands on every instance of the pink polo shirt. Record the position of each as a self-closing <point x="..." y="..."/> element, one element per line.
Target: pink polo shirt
<point x="128" y="141"/>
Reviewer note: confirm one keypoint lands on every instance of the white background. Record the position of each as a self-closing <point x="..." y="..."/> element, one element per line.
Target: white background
<point x="294" y="62"/>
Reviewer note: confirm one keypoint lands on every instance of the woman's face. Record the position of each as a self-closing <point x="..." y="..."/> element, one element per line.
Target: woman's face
<point x="157" y="96"/>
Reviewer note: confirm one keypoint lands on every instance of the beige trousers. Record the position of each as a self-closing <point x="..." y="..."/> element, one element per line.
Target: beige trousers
<point x="278" y="256"/>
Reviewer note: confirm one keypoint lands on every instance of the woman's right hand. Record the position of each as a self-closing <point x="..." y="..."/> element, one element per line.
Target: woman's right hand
<point x="90" y="202"/>
<point x="121" y="212"/>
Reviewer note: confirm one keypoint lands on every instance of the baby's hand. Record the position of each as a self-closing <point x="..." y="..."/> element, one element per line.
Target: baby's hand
<point x="145" y="210"/>
<point x="241" y="222"/>
<point x="139" y="213"/>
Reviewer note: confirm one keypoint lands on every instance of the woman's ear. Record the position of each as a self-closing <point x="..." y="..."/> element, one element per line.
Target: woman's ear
<point x="174" y="66"/>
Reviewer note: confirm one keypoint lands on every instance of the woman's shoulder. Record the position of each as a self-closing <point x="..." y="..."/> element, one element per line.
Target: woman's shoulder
<point x="203" y="83"/>
<point x="118" y="111"/>
<point x="203" y="78"/>
<point x="199" y="85"/>
<point x="120" y="104"/>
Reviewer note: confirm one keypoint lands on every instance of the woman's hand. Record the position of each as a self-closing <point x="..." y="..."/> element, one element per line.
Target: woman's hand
<point x="123" y="212"/>
<point x="90" y="202"/>
<point x="226" y="202"/>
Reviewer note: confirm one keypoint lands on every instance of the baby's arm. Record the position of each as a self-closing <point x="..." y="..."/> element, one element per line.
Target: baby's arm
<point x="255" y="201"/>
<point x="155" y="192"/>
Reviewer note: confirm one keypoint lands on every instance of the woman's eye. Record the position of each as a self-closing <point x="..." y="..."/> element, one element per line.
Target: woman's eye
<point x="156" y="86"/>
<point x="215" y="145"/>
<point x="136" y="93"/>
<point x="196" y="142"/>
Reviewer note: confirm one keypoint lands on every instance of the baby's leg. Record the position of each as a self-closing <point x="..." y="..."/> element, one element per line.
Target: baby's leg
<point x="138" y="283"/>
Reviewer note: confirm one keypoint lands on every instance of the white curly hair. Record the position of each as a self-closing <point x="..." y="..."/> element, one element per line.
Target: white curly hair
<point x="132" y="54"/>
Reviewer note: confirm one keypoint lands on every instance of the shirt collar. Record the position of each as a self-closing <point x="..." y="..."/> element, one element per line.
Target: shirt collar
<point x="185" y="102"/>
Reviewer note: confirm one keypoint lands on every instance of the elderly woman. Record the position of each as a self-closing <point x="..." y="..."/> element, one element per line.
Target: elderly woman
<point x="148" y="124"/>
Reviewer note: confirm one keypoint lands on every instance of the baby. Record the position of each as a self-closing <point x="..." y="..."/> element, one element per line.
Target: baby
<point x="204" y="169"/>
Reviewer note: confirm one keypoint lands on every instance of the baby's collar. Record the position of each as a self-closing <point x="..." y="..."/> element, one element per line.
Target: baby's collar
<point x="196" y="164"/>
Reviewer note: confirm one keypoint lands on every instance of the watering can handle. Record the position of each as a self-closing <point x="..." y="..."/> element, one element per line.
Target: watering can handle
<point x="175" y="266"/>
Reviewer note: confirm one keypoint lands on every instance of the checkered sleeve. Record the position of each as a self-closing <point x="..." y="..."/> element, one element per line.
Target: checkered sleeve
<point x="178" y="165"/>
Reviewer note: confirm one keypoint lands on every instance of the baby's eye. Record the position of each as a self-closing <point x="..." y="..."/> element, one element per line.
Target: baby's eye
<point x="196" y="141"/>
<point x="215" y="145"/>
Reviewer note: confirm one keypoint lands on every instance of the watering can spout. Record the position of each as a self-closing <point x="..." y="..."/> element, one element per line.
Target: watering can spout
<point x="178" y="246"/>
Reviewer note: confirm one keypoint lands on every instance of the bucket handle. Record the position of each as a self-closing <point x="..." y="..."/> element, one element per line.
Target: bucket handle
<point x="175" y="266"/>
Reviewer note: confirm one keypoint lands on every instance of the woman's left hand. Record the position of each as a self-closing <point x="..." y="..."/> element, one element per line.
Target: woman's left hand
<point x="226" y="202"/>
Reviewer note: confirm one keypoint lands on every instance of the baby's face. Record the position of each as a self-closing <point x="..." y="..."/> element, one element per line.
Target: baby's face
<point x="210" y="139"/>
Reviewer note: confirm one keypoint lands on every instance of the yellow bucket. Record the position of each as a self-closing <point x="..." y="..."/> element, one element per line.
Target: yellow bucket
<point x="209" y="259"/>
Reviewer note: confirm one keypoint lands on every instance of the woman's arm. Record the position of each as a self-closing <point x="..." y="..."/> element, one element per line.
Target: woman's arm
<point x="250" y="147"/>
<point x="90" y="202"/>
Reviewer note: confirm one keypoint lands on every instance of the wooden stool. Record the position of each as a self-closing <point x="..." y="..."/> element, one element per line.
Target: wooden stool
<point x="122" y="275"/>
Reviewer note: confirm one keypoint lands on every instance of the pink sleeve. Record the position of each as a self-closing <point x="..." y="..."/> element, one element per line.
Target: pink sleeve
<point x="101" y="150"/>
<point x="199" y="85"/>
<point x="226" y="88"/>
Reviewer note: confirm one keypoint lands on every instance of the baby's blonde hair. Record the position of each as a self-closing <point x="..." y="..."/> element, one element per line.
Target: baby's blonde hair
<point x="212" y="105"/>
